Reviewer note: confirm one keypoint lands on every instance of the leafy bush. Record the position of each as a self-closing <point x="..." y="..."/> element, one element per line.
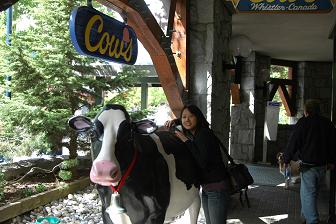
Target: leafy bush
<point x="2" y="185"/>
<point x="68" y="164"/>
<point x="140" y="114"/>
<point x="26" y="192"/>
<point x="40" y="188"/>
<point x="17" y="142"/>
<point x="65" y="174"/>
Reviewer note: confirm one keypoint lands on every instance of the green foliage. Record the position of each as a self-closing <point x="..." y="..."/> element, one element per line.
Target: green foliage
<point x="140" y="114"/>
<point x="156" y="96"/>
<point x="17" y="142"/>
<point x="68" y="164"/>
<point x="130" y="99"/>
<point x="40" y="188"/>
<point x="65" y="174"/>
<point x="2" y="185"/>
<point x="280" y="72"/>
<point x="50" y="80"/>
<point x="26" y="192"/>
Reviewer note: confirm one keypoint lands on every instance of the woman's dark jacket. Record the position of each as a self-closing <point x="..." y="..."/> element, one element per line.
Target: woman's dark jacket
<point x="206" y="150"/>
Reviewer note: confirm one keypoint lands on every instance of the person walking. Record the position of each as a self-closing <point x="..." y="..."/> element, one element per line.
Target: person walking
<point x="205" y="148"/>
<point x="313" y="138"/>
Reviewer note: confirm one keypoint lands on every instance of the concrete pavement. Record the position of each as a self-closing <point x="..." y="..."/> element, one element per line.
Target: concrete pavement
<point x="270" y="201"/>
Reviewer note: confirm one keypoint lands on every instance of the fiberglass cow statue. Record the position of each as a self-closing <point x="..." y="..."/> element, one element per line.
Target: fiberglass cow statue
<point x="141" y="174"/>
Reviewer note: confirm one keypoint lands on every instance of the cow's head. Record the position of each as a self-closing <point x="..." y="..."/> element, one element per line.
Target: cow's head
<point x="110" y="127"/>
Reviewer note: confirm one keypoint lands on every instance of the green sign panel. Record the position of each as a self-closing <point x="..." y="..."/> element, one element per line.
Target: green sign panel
<point x="284" y="6"/>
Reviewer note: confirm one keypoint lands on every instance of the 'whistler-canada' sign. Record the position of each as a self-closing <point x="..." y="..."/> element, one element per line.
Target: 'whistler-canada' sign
<point x="98" y="35"/>
<point x="285" y="6"/>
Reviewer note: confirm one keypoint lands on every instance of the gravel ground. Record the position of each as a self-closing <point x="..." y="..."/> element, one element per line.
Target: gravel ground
<point x="83" y="207"/>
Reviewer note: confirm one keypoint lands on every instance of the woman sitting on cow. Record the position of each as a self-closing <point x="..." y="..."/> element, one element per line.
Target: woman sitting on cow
<point x="205" y="148"/>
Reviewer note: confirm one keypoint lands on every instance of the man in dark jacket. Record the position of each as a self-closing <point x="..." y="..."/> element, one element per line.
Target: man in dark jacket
<point x="313" y="138"/>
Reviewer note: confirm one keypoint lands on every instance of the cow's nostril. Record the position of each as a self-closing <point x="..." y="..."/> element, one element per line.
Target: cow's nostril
<point x="114" y="174"/>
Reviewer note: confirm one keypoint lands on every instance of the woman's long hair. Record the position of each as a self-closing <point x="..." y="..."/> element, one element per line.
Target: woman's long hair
<point x="201" y="121"/>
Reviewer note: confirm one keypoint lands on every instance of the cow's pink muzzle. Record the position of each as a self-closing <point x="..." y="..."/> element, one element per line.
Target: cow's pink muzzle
<point x="105" y="173"/>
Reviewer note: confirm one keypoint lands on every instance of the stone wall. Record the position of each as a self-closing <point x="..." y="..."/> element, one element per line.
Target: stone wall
<point x="247" y="118"/>
<point x="315" y="82"/>
<point x="242" y="133"/>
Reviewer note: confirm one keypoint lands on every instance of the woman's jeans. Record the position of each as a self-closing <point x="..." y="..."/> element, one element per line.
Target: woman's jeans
<point x="215" y="205"/>
<point x="310" y="184"/>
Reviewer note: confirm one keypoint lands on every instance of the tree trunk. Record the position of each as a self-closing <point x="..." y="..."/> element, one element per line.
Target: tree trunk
<point x="73" y="145"/>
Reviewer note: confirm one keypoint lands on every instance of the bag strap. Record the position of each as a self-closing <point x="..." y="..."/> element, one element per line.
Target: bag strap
<point x="225" y="151"/>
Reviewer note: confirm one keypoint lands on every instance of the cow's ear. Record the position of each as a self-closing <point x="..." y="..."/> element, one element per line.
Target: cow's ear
<point x="80" y="123"/>
<point x="144" y="127"/>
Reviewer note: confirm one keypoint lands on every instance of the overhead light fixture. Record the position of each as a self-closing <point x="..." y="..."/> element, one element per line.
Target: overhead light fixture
<point x="240" y="47"/>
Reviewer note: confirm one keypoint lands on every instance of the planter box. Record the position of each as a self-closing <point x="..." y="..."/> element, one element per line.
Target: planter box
<point x="17" y="208"/>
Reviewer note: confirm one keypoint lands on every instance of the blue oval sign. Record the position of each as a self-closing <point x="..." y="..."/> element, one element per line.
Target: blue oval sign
<point x="98" y="35"/>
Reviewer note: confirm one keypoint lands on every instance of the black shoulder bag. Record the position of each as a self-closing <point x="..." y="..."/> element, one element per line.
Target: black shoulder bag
<point x="240" y="177"/>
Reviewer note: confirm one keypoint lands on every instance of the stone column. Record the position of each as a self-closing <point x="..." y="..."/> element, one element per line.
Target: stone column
<point x="242" y="115"/>
<point x="210" y="31"/>
<point x="263" y="65"/>
<point x="247" y="118"/>
<point x="220" y="104"/>
<point x="201" y="51"/>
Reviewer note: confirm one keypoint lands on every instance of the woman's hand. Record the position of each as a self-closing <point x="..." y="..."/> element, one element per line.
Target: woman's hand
<point x="181" y="136"/>
<point x="169" y="123"/>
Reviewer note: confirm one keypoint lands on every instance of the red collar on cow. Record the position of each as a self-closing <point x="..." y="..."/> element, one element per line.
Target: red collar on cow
<point x="127" y="173"/>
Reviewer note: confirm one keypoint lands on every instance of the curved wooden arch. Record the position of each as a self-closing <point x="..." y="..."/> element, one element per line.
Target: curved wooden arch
<point x="158" y="45"/>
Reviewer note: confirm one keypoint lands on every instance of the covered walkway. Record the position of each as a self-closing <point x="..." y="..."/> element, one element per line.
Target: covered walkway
<point x="270" y="201"/>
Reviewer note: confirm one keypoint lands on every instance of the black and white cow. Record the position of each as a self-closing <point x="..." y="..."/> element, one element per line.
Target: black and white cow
<point x="141" y="167"/>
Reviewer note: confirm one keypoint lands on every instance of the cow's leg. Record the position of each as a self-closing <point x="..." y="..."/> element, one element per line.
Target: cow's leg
<point x="194" y="210"/>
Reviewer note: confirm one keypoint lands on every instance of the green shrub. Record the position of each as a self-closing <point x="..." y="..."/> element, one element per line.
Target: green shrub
<point x="40" y="188"/>
<point x="7" y="149"/>
<point x="11" y="145"/>
<point x="140" y="114"/>
<point x="2" y="185"/>
<point x="26" y="192"/>
<point x="68" y="164"/>
<point x="65" y="174"/>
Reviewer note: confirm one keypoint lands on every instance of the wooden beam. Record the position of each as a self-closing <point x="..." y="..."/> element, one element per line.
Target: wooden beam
<point x="170" y="25"/>
<point x="273" y="90"/>
<point x="153" y="39"/>
<point x="179" y="40"/>
<point x="235" y="95"/>
<point x="288" y="87"/>
<point x="285" y="63"/>
<point x="281" y="81"/>
<point x="286" y="100"/>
